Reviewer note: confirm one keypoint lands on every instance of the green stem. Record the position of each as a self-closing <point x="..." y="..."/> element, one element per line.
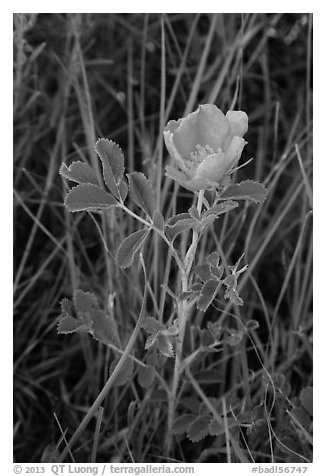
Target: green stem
<point x="149" y="224"/>
<point x="183" y="314"/>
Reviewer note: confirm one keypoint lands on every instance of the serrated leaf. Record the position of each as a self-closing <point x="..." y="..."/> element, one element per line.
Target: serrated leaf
<point x="173" y="330"/>
<point x="206" y="338"/>
<point x="199" y="428"/>
<point x="234" y="338"/>
<point x="208" y="293"/>
<point x="192" y="404"/>
<point x="84" y="302"/>
<point x="152" y="325"/>
<point x="152" y="359"/>
<point x="178" y="224"/>
<point x="150" y="341"/>
<point x="205" y="222"/>
<point x="216" y="428"/>
<point x="67" y="307"/>
<point x="158" y="220"/>
<point x="193" y="212"/>
<point x="203" y="408"/>
<point x="125" y="375"/>
<point x="175" y="218"/>
<point x="234" y="297"/>
<point x="209" y="288"/>
<point x="103" y="327"/>
<point x="184" y="295"/>
<point x="182" y="423"/>
<point x="247" y="190"/>
<point x="146" y="376"/>
<point x="164" y="345"/>
<point x="88" y="197"/>
<point x="79" y="172"/>
<point x="112" y="163"/>
<point x="203" y="272"/>
<point x="141" y="192"/>
<point x="306" y="399"/>
<point x="123" y="189"/>
<point x="252" y="325"/>
<point x="197" y="287"/>
<point x="231" y="292"/>
<point x="194" y="291"/>
<point x="130" y="246"/>
<point x="221" y="208"/>
<point x="68" y="325"/>
<point x="213" y="259"/>
<point x="215" y="329"/>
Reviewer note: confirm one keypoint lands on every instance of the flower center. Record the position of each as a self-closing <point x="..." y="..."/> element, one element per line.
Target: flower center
<point x="197" y="155"/>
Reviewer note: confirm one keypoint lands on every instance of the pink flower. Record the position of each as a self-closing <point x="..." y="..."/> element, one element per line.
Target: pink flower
<point x="205" y="146"/>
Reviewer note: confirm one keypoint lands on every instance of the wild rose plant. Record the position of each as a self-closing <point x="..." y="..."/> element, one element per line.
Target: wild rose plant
<point x="205" y="148"/>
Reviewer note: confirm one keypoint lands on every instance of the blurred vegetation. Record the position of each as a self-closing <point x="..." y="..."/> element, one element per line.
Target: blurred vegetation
<point x="78" y="77"/>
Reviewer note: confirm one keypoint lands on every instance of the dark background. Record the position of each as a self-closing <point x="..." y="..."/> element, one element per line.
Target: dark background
<point x="78" y="77"/>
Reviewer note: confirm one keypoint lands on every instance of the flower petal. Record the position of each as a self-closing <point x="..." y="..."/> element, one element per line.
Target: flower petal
<point x="238" y="122"/>
<point x="173" y="151"/>
<point x="197" y="183"/>
<point x="213" y="126"/>
<point x="206" y="126"/>
<point x="172" y="125"/>
<point x="175" y="174"/>
<point x="234" y="151"/>
<point x="187" y="136"/>
<point x="213" y="167"/>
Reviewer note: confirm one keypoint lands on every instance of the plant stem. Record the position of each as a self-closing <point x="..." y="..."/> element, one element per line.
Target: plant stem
<point x="183" y="314"/>
<point x="149" y="224"/>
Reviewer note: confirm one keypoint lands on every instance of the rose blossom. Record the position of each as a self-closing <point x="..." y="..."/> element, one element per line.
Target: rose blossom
<point x="205" y="146"/>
